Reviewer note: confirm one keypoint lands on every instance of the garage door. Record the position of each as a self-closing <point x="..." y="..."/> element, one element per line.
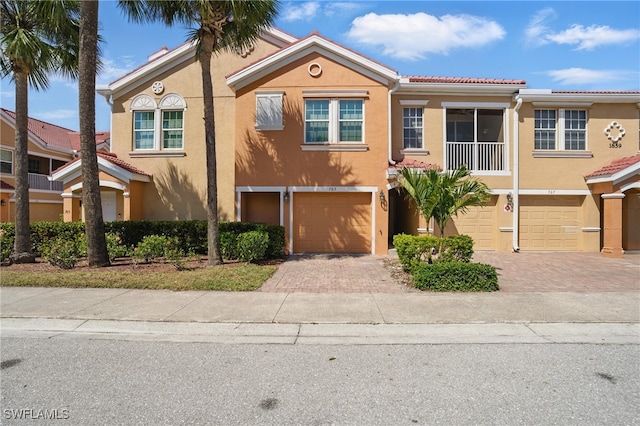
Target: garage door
<point x="332" y="223"/>
<point x="550" y="223"/>
<point x="480" y="224"/>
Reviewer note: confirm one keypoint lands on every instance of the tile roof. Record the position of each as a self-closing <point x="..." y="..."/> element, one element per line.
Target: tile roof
<point x="57" y="136"/>
<point x="5" y="185"/>
<point x="462" y="80"/>
<point x="113" y="158"/>
<point x="415" y="164"/>
<point x="615" y="166"/>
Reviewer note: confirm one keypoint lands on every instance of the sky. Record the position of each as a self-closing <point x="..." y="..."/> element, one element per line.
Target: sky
<point x="560" y="45"/>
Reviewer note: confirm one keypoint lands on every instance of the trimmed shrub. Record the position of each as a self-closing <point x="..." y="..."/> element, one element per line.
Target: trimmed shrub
<point x="65" y="252"/>
<point x="151" y="247"/>
<point x="115" y="248"/>
<point x="455" y="276"/>
<point x="416" y="250"/>
<point x="252" y="246"/>
<point x="6" y="245"/>
<point x="229" y="245"/>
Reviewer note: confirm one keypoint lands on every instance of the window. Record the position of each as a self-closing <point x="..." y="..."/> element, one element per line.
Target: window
<point x="475" y="138"/>
<point x="143" y="129"/>
<point x="560" y="129"/>
<point x="33" y="165"/>
<point x="158" y="127"/>
<point x="172" y="129"/>
<point x="269" y="111"/>
<point x="6" y="161"/>
<point x="334" y="121"/>
<point x="412" y="127"/>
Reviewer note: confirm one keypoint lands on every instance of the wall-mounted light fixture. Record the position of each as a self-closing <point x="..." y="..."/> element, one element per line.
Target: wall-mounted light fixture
<point x="382" y="197"/>
<point x="3" y="202"/>
<point x="286" y="196"/>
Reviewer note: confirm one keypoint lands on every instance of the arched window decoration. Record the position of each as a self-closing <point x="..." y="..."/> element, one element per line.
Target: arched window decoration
<point x="158" y="126"/>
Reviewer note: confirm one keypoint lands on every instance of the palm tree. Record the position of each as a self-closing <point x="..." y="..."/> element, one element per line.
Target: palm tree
<point x="39" y="38"/>
<point x="442" y="195"/>
<point x="97" y="254"/>
<point x="217" y="26"/>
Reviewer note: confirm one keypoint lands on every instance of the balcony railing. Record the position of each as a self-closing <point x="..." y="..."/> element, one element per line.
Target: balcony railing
<point x="38" y="181"/>
<point x="480" y="156"/>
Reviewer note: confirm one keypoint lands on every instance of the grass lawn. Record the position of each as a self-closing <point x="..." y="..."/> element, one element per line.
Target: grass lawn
<point x="124" y="274"/>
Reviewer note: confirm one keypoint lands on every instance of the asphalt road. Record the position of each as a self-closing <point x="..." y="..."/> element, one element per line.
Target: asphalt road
<point x="110" y="382"/>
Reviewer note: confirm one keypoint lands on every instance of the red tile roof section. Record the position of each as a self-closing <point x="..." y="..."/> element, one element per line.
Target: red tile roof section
<point x="113" y="158"/>
<point x="462" y="80"/>
<point x="415" y="164"/>
<point x="5" y="185"/>
<point x="56" y="136"/>
<point x="615" y="166"/>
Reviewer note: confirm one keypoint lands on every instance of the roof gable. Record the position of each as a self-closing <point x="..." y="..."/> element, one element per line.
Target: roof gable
<point x="616" y="171"/>
<point x="313" y="43"/>
<point x="108" y="163"/>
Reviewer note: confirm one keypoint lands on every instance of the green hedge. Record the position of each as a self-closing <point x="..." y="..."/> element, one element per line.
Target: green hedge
<point x="190" y="234"/>
<point x="455" y="276"/>
<point x="416" y="250"/>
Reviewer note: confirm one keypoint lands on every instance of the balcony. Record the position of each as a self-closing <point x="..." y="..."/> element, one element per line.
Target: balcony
<point x="42" y="182"/>
<point x="477" y="156"/>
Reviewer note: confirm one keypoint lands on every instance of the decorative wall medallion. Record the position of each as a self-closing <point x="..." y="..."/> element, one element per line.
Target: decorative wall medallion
<point x="157" y="87"/>
<point x="614" y="132"/>
<point x="314" y="69"/>
<point x="246" y="51"/>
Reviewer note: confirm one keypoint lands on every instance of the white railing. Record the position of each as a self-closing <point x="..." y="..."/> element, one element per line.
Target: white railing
<point x="480" y="156"/>
<point x="38" y="181"/>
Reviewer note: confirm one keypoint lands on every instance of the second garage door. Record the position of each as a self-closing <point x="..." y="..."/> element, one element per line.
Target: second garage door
<point x="480" y="224"/>
<point x="332" y="223"/>
<point x="550" y="223"/>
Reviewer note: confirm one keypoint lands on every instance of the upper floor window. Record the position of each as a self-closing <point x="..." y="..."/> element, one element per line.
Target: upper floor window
<point x="269" y="111"/>
<point x="475" y="137"/>
<point x="158" y="127"/>
<point x="412" y="126"/>
<point x="334" y="121"/>
<point x="6" y="161"/>
<point x="561" y="129"/>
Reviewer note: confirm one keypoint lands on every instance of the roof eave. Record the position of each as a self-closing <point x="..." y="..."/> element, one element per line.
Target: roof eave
<point x="459" y="88"/>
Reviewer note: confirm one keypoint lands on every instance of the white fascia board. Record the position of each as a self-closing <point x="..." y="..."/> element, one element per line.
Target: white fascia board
<point x="74" y="170"/>
<point x="615" y="178"/>
<point x="467" y="89"/>
<point x="576" y="98"/>
<point x="152" y="69"/>
<point x="67" y="173"/>
<point x="312" y="44"/>
<point x="278" y="37"/>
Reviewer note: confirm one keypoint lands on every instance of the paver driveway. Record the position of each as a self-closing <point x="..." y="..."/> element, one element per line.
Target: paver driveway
<point x="517" y="272"/>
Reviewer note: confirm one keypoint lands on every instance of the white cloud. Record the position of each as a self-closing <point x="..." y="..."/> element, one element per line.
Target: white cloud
<point x="115" y="68"/>
<point x="300" y="11"/>
<point x="588" y="38"/>
<point x="342" y="8"/>
<point x="412" y="37"/>
<point x="581" y="76"/>
<point x="58" y="114"/>
<point x="535" y="32"/>
<point x="584" y="38"/>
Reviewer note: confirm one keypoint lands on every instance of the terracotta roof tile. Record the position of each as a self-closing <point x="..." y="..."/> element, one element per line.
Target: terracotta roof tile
<point x="415" y="164"/>
<point x="113" y="158"/>
<point x="57" y="136"/>
<point x="615" y="166"/>
<point x="462" y="80"/>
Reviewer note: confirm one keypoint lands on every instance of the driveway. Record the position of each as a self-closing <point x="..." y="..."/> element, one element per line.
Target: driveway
<point x="517" y="272"/>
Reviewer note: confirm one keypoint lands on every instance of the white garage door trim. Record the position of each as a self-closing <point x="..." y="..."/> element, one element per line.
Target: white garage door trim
<point x="332" y="190"/>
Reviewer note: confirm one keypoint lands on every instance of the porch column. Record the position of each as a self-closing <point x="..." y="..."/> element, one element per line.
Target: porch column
<point x="126" y="214"/>
<point x="67" y="207"/>
<point x="612" y="226"/>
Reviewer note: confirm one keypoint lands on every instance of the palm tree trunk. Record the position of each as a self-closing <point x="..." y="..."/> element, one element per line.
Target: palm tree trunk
<point x="213" y="234"/>
<point x="97" y="255"/>
<point x="22" y="246"/>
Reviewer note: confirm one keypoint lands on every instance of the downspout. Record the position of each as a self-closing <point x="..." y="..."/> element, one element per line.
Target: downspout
<point x="516" y="174"/>
<point x="389" y="127"/>
<point x="108" y="97"/>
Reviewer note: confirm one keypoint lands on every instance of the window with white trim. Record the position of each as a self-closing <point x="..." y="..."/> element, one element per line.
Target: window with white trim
<point x="475" y="137"/>
<point x="158" y="127"/>
<point x="269" y="111"/>
<point x="6" y="161"/>
<point x="412" y="127"/>
<point x="332" y="121"/>
<point x="562" y="129"/>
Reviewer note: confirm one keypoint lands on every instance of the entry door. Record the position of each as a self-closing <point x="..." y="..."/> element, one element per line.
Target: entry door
<point x="108" y="205"/>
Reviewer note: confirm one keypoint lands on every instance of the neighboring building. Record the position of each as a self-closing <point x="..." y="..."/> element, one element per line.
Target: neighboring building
<point x="310" y="135"/>
<point x="50" y="147"/>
